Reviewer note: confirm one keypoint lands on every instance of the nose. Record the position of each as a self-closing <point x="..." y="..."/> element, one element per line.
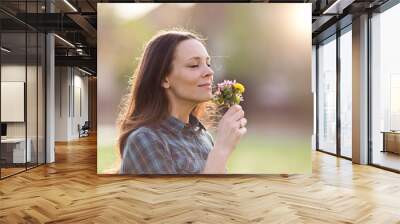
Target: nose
<point x="208" y="72"/>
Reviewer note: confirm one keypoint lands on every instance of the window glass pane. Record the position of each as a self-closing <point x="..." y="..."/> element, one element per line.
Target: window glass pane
<point x="41" y="98"/>
<point x="327" y="96"/>
<point x="314" y="89"/>
<point x="31" y="97"/>
<point x="22" y="88"/>
<point x="346" y="93"/>
<point x="14" y="150"/>
<point x="386" y="88"/>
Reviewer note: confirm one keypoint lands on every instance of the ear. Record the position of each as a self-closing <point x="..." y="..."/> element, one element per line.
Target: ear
<point x="165" y="83"/>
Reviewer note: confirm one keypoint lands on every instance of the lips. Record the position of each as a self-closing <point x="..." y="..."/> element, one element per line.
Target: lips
<point x="205" y="85"/>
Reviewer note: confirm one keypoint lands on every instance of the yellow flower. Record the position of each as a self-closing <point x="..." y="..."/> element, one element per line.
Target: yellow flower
<point x="239" y="87"/>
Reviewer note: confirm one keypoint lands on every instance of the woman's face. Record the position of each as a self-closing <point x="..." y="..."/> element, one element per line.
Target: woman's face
<point x="191" y="76"/>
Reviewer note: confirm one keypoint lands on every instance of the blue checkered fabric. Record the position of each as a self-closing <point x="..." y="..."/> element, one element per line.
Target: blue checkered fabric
<point x="172" y="147"/>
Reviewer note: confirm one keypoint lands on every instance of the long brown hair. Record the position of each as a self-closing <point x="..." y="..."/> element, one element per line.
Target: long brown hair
<point x="147" y="103"/>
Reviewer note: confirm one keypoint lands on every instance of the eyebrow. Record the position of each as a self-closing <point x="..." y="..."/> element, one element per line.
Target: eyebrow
<point x="196" y="57"/>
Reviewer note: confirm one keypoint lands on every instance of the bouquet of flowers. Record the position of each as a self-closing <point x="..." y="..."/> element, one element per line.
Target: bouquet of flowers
<point x="228" y="93"/>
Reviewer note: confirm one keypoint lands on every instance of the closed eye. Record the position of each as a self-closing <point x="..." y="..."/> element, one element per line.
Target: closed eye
<point x="195" y="66"/>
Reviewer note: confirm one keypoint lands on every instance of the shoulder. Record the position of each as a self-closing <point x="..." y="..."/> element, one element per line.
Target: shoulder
<point x="143" y="134"/>
<point x="145" y="153"/>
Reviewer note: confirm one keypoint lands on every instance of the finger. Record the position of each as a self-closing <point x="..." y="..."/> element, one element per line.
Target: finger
<point x="238" y="115"/>
<point x="242" y="130"/>
<point x="233" y="109"/>
<point x="240" y="123"/>
<point x="243" y="122"/>
<point x="237" y="124"/>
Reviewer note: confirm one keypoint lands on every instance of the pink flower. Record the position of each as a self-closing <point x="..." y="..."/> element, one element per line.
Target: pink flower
<point x="228" y="93"/>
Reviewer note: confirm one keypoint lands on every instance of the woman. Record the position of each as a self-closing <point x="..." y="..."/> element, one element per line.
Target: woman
<point x="160" y="131"/>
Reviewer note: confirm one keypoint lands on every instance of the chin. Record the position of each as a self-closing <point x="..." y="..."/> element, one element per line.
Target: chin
<point x="208" y="97"/>
<point x="203" y="99"/>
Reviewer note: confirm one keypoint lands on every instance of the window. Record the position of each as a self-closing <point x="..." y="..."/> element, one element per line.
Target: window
<point x="22" y="76"/>
<point x="346" y="92"/>
<point x="327" y="96"/>
<point x="385" y="89"/>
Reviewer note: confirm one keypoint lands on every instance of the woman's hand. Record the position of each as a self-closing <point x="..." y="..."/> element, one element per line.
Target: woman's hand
<point x="230" y="129"/>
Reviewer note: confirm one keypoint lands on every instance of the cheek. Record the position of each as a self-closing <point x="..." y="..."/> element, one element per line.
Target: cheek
<point x="186" y="82"/>
<point x="184" y="86"/>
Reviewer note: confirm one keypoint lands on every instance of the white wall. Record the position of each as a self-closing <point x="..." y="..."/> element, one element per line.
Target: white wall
<point x="70" y="83"/>
<point x="80" y="83"/>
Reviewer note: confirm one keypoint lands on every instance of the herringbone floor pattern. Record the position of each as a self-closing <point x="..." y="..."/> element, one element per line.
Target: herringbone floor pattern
<point x="70" y="191"/>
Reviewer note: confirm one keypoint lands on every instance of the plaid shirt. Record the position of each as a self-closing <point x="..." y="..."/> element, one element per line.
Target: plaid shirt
<point x="171" y="148"/>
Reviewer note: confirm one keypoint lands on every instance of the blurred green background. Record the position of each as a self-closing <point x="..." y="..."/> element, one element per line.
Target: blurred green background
<point x="254" y="155"/>
<point x="267" y="47"/>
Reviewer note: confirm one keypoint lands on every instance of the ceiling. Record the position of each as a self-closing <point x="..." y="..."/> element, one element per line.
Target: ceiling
<point x="76" y="22"/>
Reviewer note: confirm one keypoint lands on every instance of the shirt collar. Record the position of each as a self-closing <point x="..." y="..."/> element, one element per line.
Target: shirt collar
<point x="178" y="125"/>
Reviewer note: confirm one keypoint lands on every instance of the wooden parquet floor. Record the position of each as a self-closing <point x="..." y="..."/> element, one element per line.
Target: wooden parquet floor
<point x="70" y="191"/>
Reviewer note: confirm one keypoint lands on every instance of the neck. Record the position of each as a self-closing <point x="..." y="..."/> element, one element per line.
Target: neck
<point x="181" y="109"/>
